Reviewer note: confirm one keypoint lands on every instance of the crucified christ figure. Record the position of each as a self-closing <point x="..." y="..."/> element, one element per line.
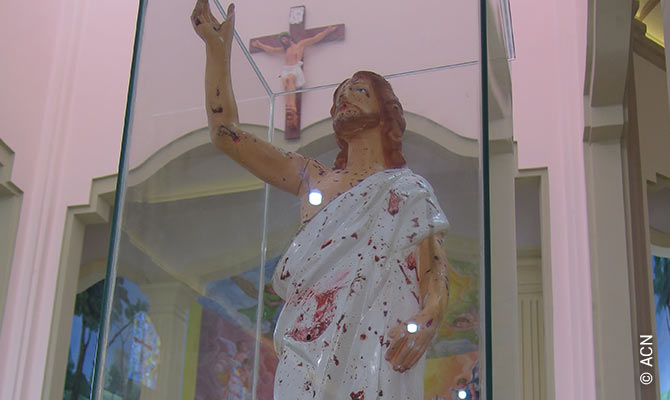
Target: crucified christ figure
<point x="365" y="280"/>
<point x="292" y="75"/>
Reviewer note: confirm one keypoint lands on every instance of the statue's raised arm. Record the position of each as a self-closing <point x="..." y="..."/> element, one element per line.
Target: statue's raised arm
<point x="272" y="165"/>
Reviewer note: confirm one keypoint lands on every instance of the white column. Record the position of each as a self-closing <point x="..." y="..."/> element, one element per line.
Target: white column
<point x="168" y="310"/>
<point x="612" y="319"/>
<point x="531" y="327"/>
<point x="504" y="299"/>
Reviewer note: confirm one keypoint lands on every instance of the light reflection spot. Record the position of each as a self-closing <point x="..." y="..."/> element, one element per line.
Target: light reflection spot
<point x="315" y="197"/>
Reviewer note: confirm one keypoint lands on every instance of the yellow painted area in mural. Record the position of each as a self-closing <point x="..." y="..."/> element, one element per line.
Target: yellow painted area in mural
<point x="463" y="308"/>
<point x="452" y="358"/>
<point x="191" y="354"/>
<point x="453" y="368"/>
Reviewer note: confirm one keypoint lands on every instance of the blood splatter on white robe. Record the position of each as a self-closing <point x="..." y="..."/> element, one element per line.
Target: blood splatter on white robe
<point x="349" y="276"/>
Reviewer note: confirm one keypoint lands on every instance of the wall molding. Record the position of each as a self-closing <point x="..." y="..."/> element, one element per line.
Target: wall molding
<point x="539" y="259"/>
<point x="645" y="47"/>
<point x="10" y="208"/>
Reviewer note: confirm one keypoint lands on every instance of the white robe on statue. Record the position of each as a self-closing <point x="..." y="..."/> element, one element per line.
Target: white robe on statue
<point x="348" y="277"/>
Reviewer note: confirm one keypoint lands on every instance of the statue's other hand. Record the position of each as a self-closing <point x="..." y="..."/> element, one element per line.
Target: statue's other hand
<point x="207" y="26"/>
<point x="407" y="347"/>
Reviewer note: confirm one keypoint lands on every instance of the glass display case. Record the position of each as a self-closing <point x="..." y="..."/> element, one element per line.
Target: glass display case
<point x="197" y="238"/>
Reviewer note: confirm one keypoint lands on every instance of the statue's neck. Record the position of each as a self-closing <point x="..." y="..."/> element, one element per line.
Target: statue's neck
<point x="365" y="152"/>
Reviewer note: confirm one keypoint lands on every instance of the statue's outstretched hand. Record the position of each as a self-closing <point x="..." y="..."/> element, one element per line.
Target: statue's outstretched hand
<point x="208" y="28"/>
<point x="407" y="347"/>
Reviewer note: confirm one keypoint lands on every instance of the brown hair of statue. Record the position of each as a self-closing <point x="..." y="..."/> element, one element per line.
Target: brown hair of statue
<point x="391" y="117"/>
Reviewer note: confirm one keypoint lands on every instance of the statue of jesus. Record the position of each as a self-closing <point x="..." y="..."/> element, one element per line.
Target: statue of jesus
<point x="365" y="279"/>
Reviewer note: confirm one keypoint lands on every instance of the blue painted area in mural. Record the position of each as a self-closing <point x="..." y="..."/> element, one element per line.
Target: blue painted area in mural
<point x="661" y="268"/>
<point x="234" y="298"/>
<point x="663" y="340"/>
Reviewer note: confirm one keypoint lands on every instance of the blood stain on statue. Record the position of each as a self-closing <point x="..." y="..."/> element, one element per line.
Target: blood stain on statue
<point x="432" y="204"/>
<point x="356" y="279"/>
<point x="416" y="297"/>
<point x="284" y="272"/>
<point x="400" y="265"/>
<point x="411" y="265"/>
<point x="394" y="202"/>
<point x="323" y="316"/>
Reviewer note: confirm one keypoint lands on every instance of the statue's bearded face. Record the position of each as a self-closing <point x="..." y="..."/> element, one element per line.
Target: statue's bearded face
<point x="356" y="107"/>
<point x="285" y="41"/>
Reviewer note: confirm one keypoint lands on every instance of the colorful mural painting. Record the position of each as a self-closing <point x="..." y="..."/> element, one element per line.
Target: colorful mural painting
<point x="453" y="359"/>
<point x="227" y="333"/>
<point x="228" y="328"/>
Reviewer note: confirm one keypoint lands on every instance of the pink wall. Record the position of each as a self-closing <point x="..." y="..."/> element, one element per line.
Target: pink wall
<point x="548" y="87"/>
<point x="62" y="108"/>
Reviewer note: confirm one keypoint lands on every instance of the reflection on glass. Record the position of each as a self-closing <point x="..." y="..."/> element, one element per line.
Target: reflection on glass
<point x="83" y="340"/>
<point x="125" y="372"/>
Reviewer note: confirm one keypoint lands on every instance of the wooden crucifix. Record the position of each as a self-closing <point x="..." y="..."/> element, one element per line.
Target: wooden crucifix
<point x="292" y="44"/>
